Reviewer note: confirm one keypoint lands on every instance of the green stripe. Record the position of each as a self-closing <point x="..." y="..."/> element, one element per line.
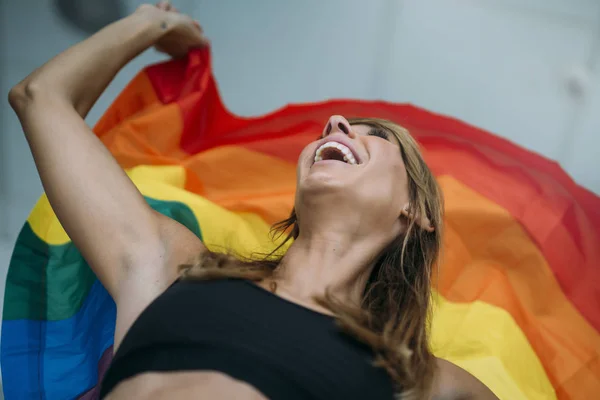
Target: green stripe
<point x="48" y="282"/>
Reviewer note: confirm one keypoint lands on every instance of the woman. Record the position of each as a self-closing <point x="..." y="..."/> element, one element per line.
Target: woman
<point x="343" y="314"/>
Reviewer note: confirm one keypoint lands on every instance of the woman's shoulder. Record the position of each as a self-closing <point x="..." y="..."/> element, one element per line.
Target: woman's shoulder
<point x="454" y="383"/>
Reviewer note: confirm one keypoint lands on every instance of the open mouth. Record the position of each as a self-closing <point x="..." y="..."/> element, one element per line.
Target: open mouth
<point x="336" y="152"/>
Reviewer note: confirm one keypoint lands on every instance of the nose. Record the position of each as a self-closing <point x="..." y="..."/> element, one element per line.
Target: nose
<point x="337" y="123"/>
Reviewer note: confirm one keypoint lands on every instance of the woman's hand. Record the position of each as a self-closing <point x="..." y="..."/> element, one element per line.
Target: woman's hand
<point x="182" y="33"/>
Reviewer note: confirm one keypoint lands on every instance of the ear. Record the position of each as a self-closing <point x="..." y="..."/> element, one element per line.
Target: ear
<point x="419" y="219"/>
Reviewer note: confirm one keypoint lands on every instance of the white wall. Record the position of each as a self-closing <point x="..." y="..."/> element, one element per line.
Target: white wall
<point x="504" y="65"/>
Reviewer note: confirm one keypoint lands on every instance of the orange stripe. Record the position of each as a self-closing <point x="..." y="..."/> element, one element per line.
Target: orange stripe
<point x="244" y="181"/>
<point x="561" y="217"/>
<point x="557" y="224"/>
<point x="489" y="257"/>
<point x="138" y="96"/>
<point x="150" y="138"/>
<point x="539" y="197"/>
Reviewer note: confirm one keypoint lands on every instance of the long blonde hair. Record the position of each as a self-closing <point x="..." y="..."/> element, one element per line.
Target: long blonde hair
<point x="393" y="318"/>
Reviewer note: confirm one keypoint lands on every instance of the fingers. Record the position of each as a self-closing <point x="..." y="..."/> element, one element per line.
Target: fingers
<point x="185" y="33"/>
<point x="166" y="5"/>
<point x="163" y="5"/>
<point x="195" y="25"/>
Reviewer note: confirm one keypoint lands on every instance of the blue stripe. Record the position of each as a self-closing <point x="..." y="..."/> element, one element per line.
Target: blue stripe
<point x="57" y="359"/>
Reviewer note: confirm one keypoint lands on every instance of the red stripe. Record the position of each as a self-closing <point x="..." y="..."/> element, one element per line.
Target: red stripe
<point x="562" y="217"/>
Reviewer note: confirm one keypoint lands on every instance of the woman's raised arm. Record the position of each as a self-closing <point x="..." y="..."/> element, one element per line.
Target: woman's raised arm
<point x="95" y="201"/>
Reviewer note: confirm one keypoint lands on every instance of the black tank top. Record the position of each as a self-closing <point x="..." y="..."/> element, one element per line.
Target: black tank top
<point x="284" y="350"/>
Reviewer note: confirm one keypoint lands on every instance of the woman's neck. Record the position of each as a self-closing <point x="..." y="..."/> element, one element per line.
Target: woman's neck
<point x="325" y="262"/>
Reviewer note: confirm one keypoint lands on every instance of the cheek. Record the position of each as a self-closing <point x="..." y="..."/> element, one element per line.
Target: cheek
<point x="307" y="153"/>
<point x="305" y="160"/>
<point x="400" y="185"/>
<point x="388" y="181"/>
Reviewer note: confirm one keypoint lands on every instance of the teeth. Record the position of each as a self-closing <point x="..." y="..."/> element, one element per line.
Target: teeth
<point x="348" y="156"/>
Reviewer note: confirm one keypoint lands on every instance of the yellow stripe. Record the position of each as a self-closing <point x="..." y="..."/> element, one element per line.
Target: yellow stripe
<point x="171" y="175"/>
<point x="45" y="225"/>
<point x="479" y="337"/>
<point x="486" y="341"/>
<point x="242" y="233"/>
<point x="221" y="229"/>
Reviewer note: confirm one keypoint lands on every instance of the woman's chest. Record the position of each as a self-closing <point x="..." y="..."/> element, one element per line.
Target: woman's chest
<point x="255" y="337"/>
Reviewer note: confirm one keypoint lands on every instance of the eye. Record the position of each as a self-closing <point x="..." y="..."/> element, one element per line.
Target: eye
<point x="379" y="133"/>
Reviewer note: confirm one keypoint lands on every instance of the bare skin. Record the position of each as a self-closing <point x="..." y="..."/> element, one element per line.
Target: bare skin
<point x="184" y="385"/>
<point x="135" y="251"/>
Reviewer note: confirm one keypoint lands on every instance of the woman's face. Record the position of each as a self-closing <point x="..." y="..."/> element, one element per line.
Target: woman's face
<point x="357" y="172"/>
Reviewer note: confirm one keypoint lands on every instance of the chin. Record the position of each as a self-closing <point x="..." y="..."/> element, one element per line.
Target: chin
<point x="322" y="182"/>
<point x="325" y="178"/>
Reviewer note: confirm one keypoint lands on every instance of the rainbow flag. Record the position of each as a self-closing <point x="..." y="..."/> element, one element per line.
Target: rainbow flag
<point x="517" y="302"/>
